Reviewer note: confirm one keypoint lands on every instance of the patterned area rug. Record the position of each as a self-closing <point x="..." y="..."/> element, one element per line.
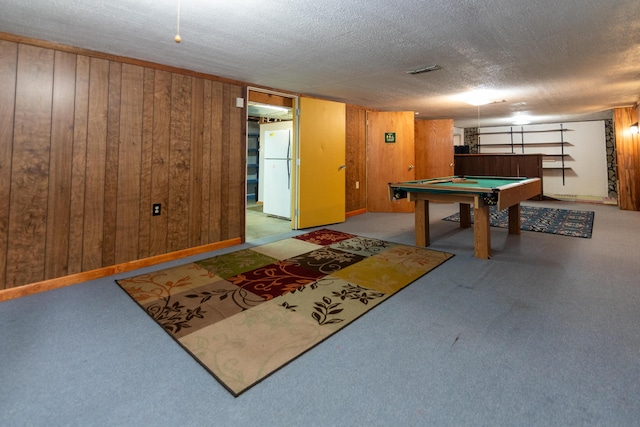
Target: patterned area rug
<point x="545" y="220"/>
<point x="245" y="314"/>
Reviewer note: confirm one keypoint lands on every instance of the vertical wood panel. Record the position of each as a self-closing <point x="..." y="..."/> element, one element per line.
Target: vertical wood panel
<point x="224" y="159"/>
<point x="112" y="163"/>
<point x="195" y="186"/>
<point x="78" y="164"/>
<point x="178" y="206"/>
<point x="237" y="164"/>
<point x="146" y="164"/>
<point x="355" y="156"/>
<point x="628" y="159"/>
<point x="8" y="71"/>
<point x="217" y="172"/>
<point x="58" y="226"/>
<point x="160" y="162"/>
<point x="95" y="165"/>
<point x="129" y="161"/>
<point x="30" y="166"/>
<point x="206" y="163"/>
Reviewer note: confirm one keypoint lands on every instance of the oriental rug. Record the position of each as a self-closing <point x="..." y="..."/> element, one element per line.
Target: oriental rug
<point x="245" y="314"/>
<point x="545" y="220"/>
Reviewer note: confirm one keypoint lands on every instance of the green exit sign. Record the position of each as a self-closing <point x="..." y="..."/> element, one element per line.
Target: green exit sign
<point x="390" y="137"/>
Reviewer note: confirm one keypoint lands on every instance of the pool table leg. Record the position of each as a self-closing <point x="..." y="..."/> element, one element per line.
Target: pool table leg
<point x="481" y="233"/>
<point x="514" y="219"/>
<point x="422" y="222"/>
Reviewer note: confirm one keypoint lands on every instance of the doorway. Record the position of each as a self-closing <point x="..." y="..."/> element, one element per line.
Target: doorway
<point x="269" y="121"/>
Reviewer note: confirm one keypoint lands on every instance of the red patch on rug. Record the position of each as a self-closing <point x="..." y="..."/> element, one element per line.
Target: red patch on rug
<point x="324" y="237"/>
<point x="275" y="279"/>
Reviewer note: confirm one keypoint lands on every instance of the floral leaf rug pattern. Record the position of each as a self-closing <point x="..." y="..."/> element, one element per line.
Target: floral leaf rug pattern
<point x="565" y="222"/>
<point x="245" y="314"/>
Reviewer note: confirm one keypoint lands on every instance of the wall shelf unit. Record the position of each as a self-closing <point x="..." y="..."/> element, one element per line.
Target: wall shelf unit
<point x="515" y="140"/>
<point x="253" y="159"/>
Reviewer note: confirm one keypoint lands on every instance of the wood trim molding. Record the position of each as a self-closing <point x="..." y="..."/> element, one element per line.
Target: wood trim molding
<point x="47" y="285"/>
<point x="356" y="212"/>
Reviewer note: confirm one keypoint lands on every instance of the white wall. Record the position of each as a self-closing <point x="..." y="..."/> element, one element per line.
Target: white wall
<point x="585" y="166"/>
<point x="458" y="136"/>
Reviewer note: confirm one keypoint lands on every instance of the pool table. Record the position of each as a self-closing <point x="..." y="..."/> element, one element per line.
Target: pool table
<point x="481" y="192"/>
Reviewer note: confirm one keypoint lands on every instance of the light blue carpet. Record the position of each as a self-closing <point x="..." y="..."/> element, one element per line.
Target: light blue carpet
<point x="543" y="334"/>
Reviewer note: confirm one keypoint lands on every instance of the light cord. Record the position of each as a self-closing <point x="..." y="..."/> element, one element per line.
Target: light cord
<point x="178" y="39"/>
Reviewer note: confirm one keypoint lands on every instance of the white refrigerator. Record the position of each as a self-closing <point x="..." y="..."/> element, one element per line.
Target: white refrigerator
<point x="276" y="147"/>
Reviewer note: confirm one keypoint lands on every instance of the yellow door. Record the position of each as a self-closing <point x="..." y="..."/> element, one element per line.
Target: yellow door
<point x="320" y="178"/>
<point x="390" y="158"/>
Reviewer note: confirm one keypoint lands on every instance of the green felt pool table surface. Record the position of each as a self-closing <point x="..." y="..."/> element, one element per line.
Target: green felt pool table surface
<point x="467" y="183"/>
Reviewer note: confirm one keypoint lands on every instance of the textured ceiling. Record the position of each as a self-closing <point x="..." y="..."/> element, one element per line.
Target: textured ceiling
<point x="554" y="60"/>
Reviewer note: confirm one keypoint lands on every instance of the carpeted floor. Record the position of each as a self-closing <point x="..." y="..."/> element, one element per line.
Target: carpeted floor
<point x="245" y="314"/>
<point x="575" y="223"/>
<point x="545" y="333"/>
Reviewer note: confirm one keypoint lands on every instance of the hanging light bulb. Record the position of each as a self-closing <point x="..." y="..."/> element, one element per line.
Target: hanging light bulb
<point x="177" y="38"/>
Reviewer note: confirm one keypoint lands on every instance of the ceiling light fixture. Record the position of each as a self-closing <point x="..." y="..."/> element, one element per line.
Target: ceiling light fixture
<point x="522" y="119"/>
<point x="478" y="97"/>
<point x="433" y="67"/>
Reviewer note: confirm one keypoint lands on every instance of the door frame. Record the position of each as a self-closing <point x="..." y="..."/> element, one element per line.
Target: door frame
<point x="294" y="141"/>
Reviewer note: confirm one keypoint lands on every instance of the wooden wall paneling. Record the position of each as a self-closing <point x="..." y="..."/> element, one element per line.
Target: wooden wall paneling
<point x="94" y="201"/>
<point x="488" y="166"/>
<point x="112" y="164"/>
<point x="216" y="163"/>
<point x="628" y="159"/>
<point x="160" y="161"/>
<point x="356" y="150"/>
<point x="146" y="163"/>
<point x="195" y="184"/>
<point x="531" y="164"/>
<point x="206" y="162"/>
<point x="30" y="166"/>
<point x="180" y="157"/>
<point x="8" y="71"/>
<point x="500" y="163"/>
<point x="460" y="164"/>
<point x="224" y="157"/>
<point x="60" y="166"/>
<point x="78" y="164"/>
<point x="88" y="143"/>
<point x="237" y="164"/>
<point x="129" y="164"/>
<point x="270" y="99"/>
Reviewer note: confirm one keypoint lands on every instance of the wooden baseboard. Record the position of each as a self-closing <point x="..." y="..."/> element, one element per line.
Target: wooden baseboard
<point x="47" y="285"/>
<point x="356" y="212"/>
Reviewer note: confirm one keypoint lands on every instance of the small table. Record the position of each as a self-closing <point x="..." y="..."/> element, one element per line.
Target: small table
<point x="479" y="191"/>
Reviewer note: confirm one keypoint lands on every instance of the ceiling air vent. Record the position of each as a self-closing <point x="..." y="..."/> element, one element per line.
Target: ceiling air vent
<point x="425" y="69"/>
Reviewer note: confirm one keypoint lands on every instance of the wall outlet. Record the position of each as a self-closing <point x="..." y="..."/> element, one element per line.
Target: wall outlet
<point x="156" y="209"/>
